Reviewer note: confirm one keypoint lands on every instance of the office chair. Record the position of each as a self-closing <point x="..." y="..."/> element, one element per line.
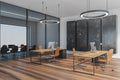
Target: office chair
<point x="4" y="50"/>
<point x="14" y="51"/>
<point x="23" y="50"/>
<point x="40" y="47"/>
<point x="77" y="58"/>
<point x="78" y="61"/>
<point x="106" y="60"/>
<point x="32" y="48"/>
<point x="55" y="54"/>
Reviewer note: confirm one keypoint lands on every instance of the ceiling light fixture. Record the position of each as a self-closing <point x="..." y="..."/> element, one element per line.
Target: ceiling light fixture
<point x="49" y="21"/>
<point x="94" y="13"/>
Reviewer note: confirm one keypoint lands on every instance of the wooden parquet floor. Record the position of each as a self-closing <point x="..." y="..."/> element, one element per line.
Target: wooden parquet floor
<point x="22" y="69"/>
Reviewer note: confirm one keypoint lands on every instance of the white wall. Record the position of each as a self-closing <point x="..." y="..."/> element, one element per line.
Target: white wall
<point x="63" y="27"/>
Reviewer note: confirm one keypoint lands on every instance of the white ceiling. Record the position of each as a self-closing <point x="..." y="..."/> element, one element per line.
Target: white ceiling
<point x="67" y="7"/>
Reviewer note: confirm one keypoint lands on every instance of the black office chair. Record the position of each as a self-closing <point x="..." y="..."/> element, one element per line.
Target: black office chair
<point x="23" y="49"/>
<point x="14" y="51"/>
<point x="32" y="48"/>
<point x="4" y="50"/>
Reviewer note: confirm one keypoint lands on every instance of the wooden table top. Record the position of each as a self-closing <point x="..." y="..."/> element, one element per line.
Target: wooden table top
<point x="90" y="54"/>
<point x="45" y="50"/>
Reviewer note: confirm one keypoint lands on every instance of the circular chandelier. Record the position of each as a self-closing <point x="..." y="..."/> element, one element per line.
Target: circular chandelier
<point x="94" y="13"/>
<point x="46" y="21"/>
<point x="49" y="21"/>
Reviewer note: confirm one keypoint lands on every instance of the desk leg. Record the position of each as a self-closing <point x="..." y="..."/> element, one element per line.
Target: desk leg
<point x="94" y="66"/>
<point x="40" y="59"/>
<point x="73" y="63"/>
<point x="30" y="57"/>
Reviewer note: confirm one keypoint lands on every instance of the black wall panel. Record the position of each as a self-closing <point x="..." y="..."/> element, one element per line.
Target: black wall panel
<point x="102" y="30"/>
<point x="94" y="32"/>
<point x="82" y="35"/>
<point x="109" y="32"/>
<point x="71" y="33"/>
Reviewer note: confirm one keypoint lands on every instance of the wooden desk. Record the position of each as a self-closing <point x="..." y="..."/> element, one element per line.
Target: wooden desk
<point x="91" y="55"/>
<point x="41" y="52"/>
<point x="45" y="50"/>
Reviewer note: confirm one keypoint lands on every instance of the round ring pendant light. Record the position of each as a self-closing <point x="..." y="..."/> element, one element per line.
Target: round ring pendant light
<point x="46" y="21"/>
<point x="49" y="21"/>
<point x="95" y="13"/>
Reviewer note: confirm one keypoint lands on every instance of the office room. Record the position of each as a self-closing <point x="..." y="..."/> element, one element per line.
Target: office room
<point x="59" y="39"/>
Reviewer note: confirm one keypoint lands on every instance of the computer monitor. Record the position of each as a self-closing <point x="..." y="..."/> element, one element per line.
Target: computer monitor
<point x="51" y="45"/>
<point x="92" y="45"/>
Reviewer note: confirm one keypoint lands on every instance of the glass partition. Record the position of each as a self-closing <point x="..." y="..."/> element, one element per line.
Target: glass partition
<point x="13" y="15"/>
<point x="36" y="30"/>
<point x="13" y="35"/>
<point x="13" y="25"/>
<point x="0" y="27"/>
<point x="52" y="30"/>
<point x="12" y="30"/>
<point x="22" y="26"/>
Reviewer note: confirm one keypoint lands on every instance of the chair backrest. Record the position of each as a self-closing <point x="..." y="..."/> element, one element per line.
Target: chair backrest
<point x="40" y="47"/>
<point x="74" y="51"/>
<point x="14" y="49"/>
<point x="10" y="46"/>
<point x="4" y="49"/>
<point x="57" y="51"/>
<point x="109" y="55"/>
<point x="23" y="48"/>
<point x="32" y="48"/>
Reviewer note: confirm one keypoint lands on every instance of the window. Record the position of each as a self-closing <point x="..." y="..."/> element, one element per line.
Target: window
<point x="11" y="34"/>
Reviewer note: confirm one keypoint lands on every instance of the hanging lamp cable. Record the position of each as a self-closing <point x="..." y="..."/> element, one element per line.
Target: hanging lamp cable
<point x="43" y="6"/>
<point x="58" y="10"/>
<point x="88" y="5"/>
<point x="94" y="13"/>
<point x="50" y="21"/>
<point x="107" y="5"/>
